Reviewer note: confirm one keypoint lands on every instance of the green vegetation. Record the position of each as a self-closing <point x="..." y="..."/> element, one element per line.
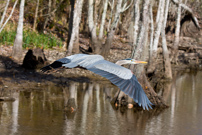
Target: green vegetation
<point x="30" y="39"/>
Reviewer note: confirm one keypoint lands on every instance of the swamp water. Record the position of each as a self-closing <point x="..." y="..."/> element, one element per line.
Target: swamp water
<point x="41" y="111"/>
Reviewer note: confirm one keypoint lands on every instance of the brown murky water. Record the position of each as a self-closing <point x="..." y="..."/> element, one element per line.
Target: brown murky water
<point x="41" y="111"/>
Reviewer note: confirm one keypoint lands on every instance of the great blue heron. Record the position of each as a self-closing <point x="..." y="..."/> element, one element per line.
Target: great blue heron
<point x="118" y="75"/>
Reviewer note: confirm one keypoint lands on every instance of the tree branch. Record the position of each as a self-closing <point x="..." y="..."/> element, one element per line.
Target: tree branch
<point x="9" y="16"/>
<point x="4" y="13"/>
<point x="189" y="10"/>
<point x="124" y="8"/>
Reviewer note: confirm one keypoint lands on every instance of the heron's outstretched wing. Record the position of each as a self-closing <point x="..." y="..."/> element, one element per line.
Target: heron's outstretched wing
<point x="129" y="86"/>
<point x="69" y="62"/>
<point x="82" y="60"/>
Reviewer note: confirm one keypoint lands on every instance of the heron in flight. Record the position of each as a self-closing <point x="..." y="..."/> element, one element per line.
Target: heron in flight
<point x="118" y="75"/>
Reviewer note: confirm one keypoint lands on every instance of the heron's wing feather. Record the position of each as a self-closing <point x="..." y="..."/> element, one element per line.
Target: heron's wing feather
<point x="115" y="69"/>
<point x="69" y="62"/>
<point x="56" y="64"/>
<point x="130" y="86"/>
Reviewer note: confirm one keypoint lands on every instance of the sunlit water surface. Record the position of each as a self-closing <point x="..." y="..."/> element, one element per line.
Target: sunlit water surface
<point x="41" y="111"/>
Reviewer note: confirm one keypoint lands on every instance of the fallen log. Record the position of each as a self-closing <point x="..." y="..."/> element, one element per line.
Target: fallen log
<point x="188" y="48"/>
<point x="7" y="99"/>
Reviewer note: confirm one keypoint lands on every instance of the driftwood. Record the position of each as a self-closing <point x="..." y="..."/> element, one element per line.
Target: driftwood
<point x="7" y="99"/>
<point x="189" y="48"/>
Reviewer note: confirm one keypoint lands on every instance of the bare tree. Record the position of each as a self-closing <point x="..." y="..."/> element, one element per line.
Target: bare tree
<point x="152" y="60"/>
<point x="159" y="8"/>
<point x="177" y="32"/>
<point x="167" y="64"/>
<point x="36" y="15"/>
<point x="74" y="30"/>
<point x="111" y="5"/>
<point x="151" y="30"/>
<point x="103" y="20"/>
<point x="4" y="13"/>
<point x="48" y="15"/>
<point x="143" y="35"/>
<point x="95" y="42"/>
<point x="110" y="36"/>
<point x="17" y="47"/>
<point x="1" y="28"/>
<point x="136" y="21"/>
<point x="189" y="10"/>
<point x="121" y="6"/>
<point x="177" y="29"/>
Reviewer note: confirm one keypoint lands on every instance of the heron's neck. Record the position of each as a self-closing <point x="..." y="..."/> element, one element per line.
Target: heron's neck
<point x="120" y="62"/>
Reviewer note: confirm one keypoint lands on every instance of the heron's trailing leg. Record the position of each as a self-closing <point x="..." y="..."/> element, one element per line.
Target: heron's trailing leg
<point x="119" y="98"/>
<point x="116" y="100"/>
<point x="71" y="105"/>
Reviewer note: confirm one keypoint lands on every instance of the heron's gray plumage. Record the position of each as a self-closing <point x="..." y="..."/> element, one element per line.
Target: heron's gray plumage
<point x="118" y="75"/>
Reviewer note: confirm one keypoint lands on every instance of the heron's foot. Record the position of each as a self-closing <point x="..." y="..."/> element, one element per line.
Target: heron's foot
<point x="73" y="109"/>
<point x="130" y="105"/>
<point x="71" y="105"/>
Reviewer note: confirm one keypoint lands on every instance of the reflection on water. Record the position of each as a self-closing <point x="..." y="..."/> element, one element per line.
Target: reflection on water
<point x="42" y="111"/>
<point x="184" y="115"/>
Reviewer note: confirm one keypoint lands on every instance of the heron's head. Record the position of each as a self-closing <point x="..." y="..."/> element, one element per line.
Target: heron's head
<point x="130" y="61"/>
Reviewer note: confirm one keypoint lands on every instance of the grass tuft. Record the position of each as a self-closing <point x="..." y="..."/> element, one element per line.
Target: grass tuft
<point x="31" y="39"/>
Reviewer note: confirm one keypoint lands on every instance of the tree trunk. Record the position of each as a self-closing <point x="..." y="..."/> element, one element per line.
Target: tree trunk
<point x="36" y="15"/>
<point x="158" y="30"/>
<point x="159" y="9"/>
<point x="152" y="60"/>
<point x="107" y="45"/>
<point x="1" y="28"/>
<point x="110" y="36"/>
<point x="151" y="31"/>
<point x="4" y="13"/>
<point x="55" y="8"/>
<point x="17" y="47"/>
<point x="177" y="32"/>
<point x="167" y="64"/>
<point x="136" y="23"/>
<point x="103" y="20"/>
<point x="74" y="40"/>
<point x="72" y="2"/>
<point x="48" y="15"/>
<point x="112" y="8"/>
<point x="95" y="44"/>
<point x="142" y="39"/>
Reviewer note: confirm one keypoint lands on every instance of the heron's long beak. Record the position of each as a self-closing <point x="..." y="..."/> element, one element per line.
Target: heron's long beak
<point x="142" y="62"/>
